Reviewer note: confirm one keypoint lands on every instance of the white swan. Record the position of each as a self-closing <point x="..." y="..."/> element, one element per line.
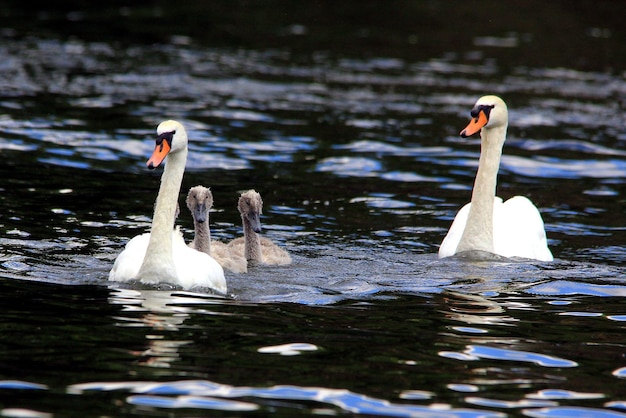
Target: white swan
<point x="199" y="201"/>
<point x="162" y="256"/>
<point x="256" y="249"/>
<point x="510" y="229"/>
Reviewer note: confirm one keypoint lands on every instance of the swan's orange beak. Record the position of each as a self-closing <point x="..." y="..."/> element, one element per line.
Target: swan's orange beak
<point x="161" y="150"/>
<point x="475" y="124"/>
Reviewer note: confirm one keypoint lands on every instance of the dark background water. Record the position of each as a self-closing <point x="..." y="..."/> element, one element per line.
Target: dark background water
<point x="345" y="116"/>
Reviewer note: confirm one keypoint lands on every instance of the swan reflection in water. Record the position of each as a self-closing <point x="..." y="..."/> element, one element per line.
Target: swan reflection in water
<point x="161" y="311"/>
<point x="474" y="310"/>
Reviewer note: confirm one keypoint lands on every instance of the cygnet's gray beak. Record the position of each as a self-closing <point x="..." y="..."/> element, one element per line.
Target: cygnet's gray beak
<point x="200" y="213"/>
<point x="255" y="221"/>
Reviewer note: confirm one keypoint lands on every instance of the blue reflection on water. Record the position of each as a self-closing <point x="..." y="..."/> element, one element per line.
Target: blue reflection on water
<point x="350" y="166"/>
<point x="21" y="385"/>
<point x="191" y="402"/>
<point x="476" y="352"/>
<point x="566" y="287"/>
<point x="203" y="394"/>
<point x="568" y="412"/>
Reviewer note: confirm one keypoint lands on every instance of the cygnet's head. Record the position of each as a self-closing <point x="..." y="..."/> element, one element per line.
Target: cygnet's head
<point x="199" y="201"/>
<point x="488" y="112"/>
<point x="251" y="206"/>
<point x="171" y="138"/>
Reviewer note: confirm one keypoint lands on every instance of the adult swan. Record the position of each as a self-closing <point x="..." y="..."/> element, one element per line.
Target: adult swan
<point x="162" y="256"/>
<point x="510" y="229"/>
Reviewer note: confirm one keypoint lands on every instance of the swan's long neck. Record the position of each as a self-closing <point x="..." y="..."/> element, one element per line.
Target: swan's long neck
<point x="252" y="242"/>
<point x="202" y="238"/>
<point x="478" y="233"/>
<point x="158" y="263"/>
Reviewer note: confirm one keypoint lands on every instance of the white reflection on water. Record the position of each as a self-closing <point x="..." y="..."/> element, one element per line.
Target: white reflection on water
<point x="164" y="312"/>
<point x="291" y="349"/>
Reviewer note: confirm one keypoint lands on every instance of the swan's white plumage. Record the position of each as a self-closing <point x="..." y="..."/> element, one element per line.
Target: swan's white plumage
<point x="506" y="223"/>
<point x="511" y="229"/>
<point x="128" y="262"/>
<point x="162" y="256"/>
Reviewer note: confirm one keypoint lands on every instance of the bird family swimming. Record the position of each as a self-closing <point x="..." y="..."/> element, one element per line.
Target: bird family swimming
<point x="487" y="224"/>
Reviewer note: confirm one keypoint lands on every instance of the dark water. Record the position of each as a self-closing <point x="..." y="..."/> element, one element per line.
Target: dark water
<point x="345" y="117"/>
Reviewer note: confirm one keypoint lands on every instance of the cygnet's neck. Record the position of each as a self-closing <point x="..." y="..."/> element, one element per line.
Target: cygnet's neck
<point x="202" y="237"/>
<point x="252" y="242"/>
<point x="158" y="263"/>
<point x="478" y="233"/>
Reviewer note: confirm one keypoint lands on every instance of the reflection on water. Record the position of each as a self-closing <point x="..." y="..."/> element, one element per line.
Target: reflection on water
<point x="156" y="314"/>
<point x="208" y="395"/>
<point x="489" y="339"/>
<point x="345" y="117"/>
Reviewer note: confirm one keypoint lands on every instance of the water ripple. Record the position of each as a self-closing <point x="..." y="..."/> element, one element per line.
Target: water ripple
<point x="476" y="352"/>
<point x="566" y="287"/>
<point x="197" y="402"/>
<point x="350" y="166"/>
<point x="291" y="349"/>
<point x="545" y="167"/>
<point x="563" y="394"/>
<point x="21" y="385"/>
<point x="206" y="395"/>
<point x="567" y="412"/>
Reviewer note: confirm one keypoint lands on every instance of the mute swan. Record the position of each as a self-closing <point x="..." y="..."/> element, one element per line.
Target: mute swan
<point x="254" y="248"/>
<point x="162" y="256"/>
<point x="199" y="201"/>
<point x="510" y="229"/>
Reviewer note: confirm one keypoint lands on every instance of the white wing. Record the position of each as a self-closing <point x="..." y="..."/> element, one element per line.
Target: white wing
<point x="519" y="230"/>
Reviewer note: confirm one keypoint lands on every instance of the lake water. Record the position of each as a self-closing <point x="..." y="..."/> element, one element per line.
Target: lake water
<point x="345" y="117"/>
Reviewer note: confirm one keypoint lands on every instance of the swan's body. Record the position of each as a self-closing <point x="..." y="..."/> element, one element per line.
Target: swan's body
<point x="510" y="229"/>
<point x="254" y="248"/>
<point x="162" y="256"/>
<point x="199" y="201"/>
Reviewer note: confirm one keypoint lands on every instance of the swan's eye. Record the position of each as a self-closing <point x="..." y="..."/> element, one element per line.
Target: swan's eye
<point x="484" y="108"/>
<point x="167" y="136"/>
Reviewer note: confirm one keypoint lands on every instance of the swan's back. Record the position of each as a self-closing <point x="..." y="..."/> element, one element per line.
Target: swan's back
<point x="195" y="268"/>
<point x="229" y="258"/>
<point x="270" y="252"/>
<point x="518" y="230"/>
<point x="128" y="262"/>
<point x="186" y="262"/>
<point x="453" y="237"/>
<point x="273" y="254"/>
